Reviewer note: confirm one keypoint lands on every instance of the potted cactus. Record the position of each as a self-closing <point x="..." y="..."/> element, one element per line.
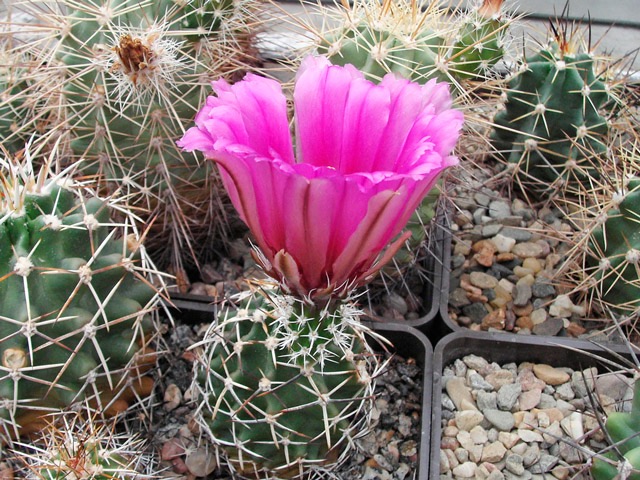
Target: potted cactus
<point x="112" y="83"/>
<point x="299" y="346"/>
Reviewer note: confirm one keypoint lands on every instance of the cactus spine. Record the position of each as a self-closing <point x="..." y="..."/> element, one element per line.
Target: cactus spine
<point x="284" y="385"/>
<point x="117" y="79"/>
<point x="77" y="445"/>
<point x="615" y="247"/>
<point x="76" y="298"/>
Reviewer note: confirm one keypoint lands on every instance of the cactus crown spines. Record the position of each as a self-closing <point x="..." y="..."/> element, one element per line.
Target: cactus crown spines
<point x="282" y="385"/>
<point x="555" y="128"/>
<point x="416" y="41"/>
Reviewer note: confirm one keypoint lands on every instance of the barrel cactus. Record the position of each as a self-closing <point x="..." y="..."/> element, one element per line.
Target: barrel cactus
<point x="78" y="445"/>
<point x="553" y="128"/>
<point x="398" y="36"/>
<point x="116" y="80"/>
<point x="77" y="301"/>
<point x="284" y="385"/>
<point x="622" y="460"/>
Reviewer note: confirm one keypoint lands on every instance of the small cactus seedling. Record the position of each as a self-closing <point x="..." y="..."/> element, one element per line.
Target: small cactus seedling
<point x="398" y="36"/>
<point x="284" y="386"/>
<point x="623" y="430"/>
<point x="552" y="129"/>
<point x="78" y="445"/>
<point x="76" y="298"/>
<point x="116" y="80"/>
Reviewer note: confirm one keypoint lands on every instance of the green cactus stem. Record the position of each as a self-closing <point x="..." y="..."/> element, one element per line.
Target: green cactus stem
<point x="552" y="129"/>
<point x="78" y="445"/>
<point x="396" y="36"/>
<point x="615" y="244"/>
<point x="623" y="430"/>
<point x="284" y="385"/>
<point x="115" y="81"/>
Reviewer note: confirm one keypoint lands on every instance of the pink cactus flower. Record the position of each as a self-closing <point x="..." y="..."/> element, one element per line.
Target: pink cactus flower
<point x="366" y="155"/>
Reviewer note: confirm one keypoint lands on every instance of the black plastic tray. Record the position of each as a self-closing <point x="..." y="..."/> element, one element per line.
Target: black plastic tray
<point x="505" y="348"/>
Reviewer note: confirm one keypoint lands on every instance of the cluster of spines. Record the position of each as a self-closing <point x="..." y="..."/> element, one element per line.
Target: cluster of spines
<point x="417" y="42"/>
<point x="554" y="128"/>
<point x="79" y="445"/>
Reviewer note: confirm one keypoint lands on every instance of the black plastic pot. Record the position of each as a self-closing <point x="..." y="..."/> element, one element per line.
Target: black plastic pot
<point x="409" y="342"/>
<point x="406" y="341"/>
<point x="505" y="348"/>
<point x="436" y="285"/>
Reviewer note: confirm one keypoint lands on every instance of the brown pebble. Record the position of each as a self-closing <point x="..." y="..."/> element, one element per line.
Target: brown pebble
<point x="172" y="397"/>
<point x="524" y="310"/>
<point x="449" y="443"/>
<point x="524" y="322"/>
<point x="575" y="330"/>
<point x="510" y="320"/>
<point x="372" y="463"/>
<point x="485" y="251"/>
<point x="505" y="257"/>
<point x="201" y="461"/>
<point x="495" y="319"/>
<point x="474" y="298"/>
<point x="171" y="449"/>
<point x="465" y="284"/>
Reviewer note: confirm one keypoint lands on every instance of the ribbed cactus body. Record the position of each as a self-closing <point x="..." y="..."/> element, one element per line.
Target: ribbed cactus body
<point x="118" y="81"/>
<point x="378" y="52"/>
<point x="552" y="128"/>
<point x="284" y="387"/>
<point x="75" y="301"/>
<point x="623" y="430"/>
<point x="616" y="247"/>
<point x="396" y="36"/>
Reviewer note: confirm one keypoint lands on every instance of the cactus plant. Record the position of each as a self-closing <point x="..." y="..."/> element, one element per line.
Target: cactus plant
<point x="615" y="251"/>
<point x="117" y="79"/>
<point x="397" y="36"/>
<point x="623" y="430"/>
<point x="76" y="298"/>
<point x="284" y="385"/>
<point x="553" y="130"/>
<point x="77" y="444"/>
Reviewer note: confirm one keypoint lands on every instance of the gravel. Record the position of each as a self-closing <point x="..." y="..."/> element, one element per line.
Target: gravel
<point x="505" y="264"/>
<point x="534" y="422"/>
